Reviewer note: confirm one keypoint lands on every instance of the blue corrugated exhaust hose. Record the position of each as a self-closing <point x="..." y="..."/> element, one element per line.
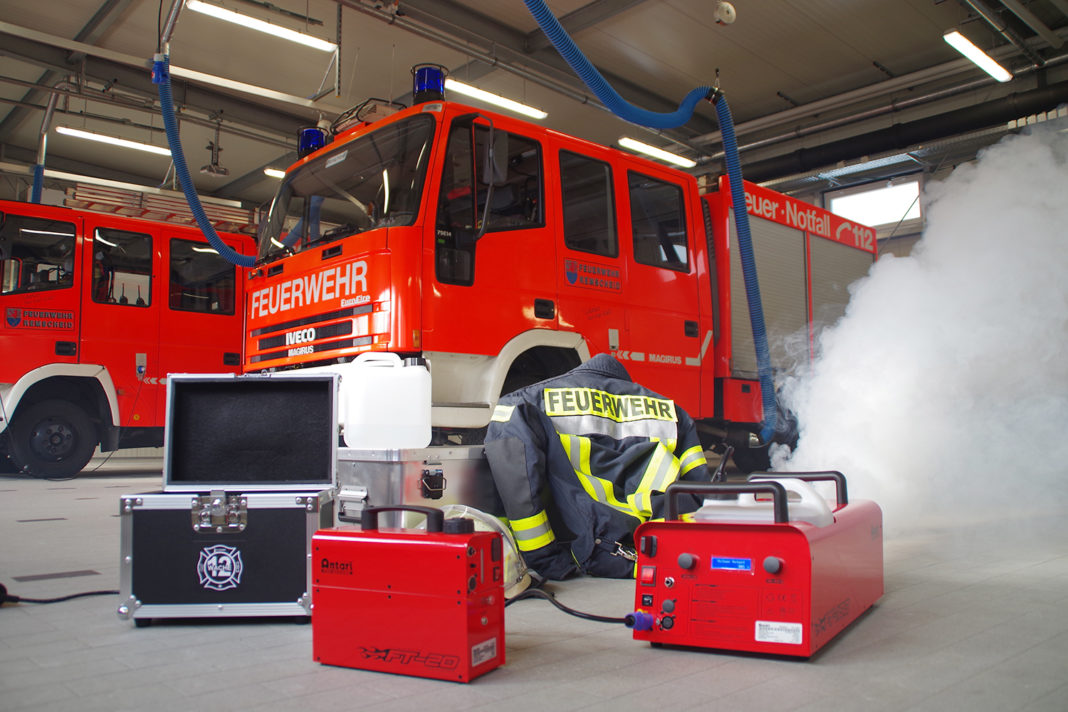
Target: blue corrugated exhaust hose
<point x="626" y="111"/>
<point x="745" y="253"/>
<point x="38" y="183"/>
<point x="597" y="84"/>
<point x="161" y="76"/>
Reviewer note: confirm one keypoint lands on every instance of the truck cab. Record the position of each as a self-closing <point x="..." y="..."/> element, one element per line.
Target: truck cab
<point x="503" y="253"/>
<point x="500" y="251"/>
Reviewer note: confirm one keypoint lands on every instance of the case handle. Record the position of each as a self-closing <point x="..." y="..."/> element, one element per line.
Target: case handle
<point x="841" y="495"/>
<point x="435" y="518"/>
<point x="777" y="491"/>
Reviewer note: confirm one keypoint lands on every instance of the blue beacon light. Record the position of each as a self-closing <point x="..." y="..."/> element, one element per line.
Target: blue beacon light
<point x="428" y="83"/>
<point x="310" y="140"/>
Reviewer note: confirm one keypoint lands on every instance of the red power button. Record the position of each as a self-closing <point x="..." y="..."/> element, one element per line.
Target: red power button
<point x="647" y="576"/>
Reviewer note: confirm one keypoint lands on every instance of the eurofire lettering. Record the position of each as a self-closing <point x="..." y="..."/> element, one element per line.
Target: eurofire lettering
<point x="347" y="280"/>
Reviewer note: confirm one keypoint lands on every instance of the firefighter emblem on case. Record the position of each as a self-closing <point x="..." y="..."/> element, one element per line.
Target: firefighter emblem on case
<point x="219" y="567"/>
<point x="14" y="316"/>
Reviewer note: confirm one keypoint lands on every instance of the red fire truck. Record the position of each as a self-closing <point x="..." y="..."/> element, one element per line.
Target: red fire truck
<point x="97" y="310"/>
<point x="503" y="252"/>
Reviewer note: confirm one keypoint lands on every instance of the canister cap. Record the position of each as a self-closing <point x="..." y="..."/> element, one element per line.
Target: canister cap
<point x="459" y="525"/>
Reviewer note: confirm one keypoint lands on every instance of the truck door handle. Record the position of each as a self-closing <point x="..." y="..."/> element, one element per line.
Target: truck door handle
<point x="66" y="348"/>
<point x="544" y="309"/>
<point x="689" y="328"/>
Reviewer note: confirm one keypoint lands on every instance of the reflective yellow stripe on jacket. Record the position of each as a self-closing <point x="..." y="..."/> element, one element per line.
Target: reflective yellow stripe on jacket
<point x="663" y="469"/>
<point x="599" y="489"/>
<point x="532" y="532"/>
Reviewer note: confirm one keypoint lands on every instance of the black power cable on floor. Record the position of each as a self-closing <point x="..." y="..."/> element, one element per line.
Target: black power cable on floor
<point x="538" y="593"/>
<point x="5" y="597"/>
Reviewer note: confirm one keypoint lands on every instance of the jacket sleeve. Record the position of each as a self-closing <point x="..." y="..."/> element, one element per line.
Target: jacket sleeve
<point x="516" y="449"/>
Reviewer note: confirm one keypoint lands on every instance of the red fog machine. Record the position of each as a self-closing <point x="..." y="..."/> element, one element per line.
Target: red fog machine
<point x="782" y="576"/>
<point x="373" y="608"/>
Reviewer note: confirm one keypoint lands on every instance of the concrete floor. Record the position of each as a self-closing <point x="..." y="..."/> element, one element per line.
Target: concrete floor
<point x="967" y="622"/>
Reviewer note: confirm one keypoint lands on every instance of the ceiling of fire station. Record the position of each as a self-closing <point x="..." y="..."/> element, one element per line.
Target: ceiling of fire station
<point x="822" y="92"/>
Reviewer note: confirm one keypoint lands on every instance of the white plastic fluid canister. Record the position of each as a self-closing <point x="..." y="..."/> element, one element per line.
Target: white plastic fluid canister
<point x="804" y="504"/>
<point x="384" y="402"/>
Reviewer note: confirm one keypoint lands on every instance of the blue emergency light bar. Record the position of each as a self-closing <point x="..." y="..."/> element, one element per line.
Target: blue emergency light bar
<point x="428" y="83"/>
<point x="309" y="140"/>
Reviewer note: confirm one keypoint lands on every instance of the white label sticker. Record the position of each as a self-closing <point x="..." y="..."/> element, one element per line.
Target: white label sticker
<point x="484" y="652"/>
<point x="336" y="159"/>
<point x="778" y="632"/>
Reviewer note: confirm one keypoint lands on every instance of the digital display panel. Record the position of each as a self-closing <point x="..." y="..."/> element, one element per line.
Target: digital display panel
<point x="731" y="563"/>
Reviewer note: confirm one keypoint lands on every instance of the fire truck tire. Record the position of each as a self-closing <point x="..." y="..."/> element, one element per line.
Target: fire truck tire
<point x="52" y="438"/>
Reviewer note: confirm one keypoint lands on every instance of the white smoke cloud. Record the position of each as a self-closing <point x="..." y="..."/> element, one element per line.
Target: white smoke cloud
<point x="942" y="394"/>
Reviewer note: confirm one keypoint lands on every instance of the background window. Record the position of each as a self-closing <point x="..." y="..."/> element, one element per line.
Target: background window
<point x="589" y="212"/>
<point x="658" y="221"/>
<point x="35" y="254"/>
<point x="892" y="208"/>
<point x="201" y="280"/>
<point x="122" y="267"/>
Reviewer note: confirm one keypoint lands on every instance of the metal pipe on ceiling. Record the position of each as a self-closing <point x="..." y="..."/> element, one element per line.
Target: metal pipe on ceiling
<point x="889" y="108"/>
<point x="1029" y="19"/>
<point x="1002" y="29"/>
<point x="902" y="136"/>
<point x="889" y="86"/>
<point x="495" y="62"/>
<point x="91" y="94"/>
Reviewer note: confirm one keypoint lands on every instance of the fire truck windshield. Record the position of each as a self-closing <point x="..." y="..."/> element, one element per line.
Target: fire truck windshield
<point x="375" y="180"/>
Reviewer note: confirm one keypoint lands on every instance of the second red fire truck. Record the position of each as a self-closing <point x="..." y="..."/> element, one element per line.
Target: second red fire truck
<point x="97" y="309"/>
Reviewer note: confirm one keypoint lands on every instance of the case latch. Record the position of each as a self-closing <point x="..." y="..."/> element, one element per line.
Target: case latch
<point x="220" y="513"/>
<point x="433" y="482"/>
<point x="351" y="501"/>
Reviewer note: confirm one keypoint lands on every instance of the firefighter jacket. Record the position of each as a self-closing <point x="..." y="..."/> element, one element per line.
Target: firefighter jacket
<point x="580" y="460"/>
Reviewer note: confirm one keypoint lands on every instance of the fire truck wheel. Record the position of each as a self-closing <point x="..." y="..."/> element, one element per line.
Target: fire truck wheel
<point x="52" y="438"/>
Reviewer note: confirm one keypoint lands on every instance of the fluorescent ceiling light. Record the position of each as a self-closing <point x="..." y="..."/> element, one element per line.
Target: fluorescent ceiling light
<point x="496" y="100"/>
<point x="78" y="133"/>
<point x="981" y="59"/>
<point x="252" y="23"/>
<point x="656" y="152"/>
<point x="274" y="173"/>
<point x="21" y="169"/>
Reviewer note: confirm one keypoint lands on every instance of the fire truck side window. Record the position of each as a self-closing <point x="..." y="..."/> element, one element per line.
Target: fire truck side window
<point x="589" y="213"/>
<point x="514" y="172"/>
<point x="122" y="267"/>
<point x="35" y="254"/>
<point x="201" y="280"/>
<point x="658" y="220"/>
